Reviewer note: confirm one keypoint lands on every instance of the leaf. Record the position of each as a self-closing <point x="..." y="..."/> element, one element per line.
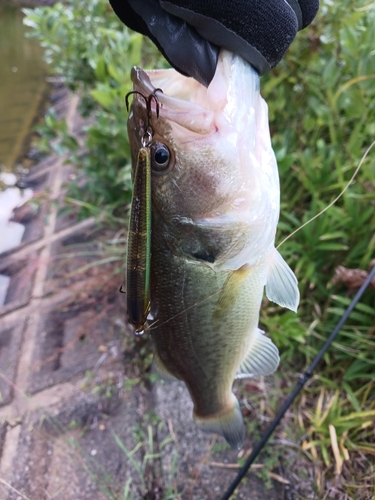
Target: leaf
<point x="332" y="236"/>
<point x="103" y="97"/>
<point x="351" y="396"/>
<point x="333" y="246"/>
<point x="100" y="69"/>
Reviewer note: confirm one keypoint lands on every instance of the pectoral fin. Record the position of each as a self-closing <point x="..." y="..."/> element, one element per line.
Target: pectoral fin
<point x="161" y="370"/>
<point x="229" y="293"/>
<point x="262" y="358"/>
<point x="282" y="285"/>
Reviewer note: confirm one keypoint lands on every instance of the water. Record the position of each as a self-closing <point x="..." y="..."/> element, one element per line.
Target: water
<point x="22" y="85"/>
<point x="22" y="89"/>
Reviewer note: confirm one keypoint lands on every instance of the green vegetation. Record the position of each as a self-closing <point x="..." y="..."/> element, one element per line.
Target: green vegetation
<point x="322" y="116"/>
<point x="148" y="474"/>
<point x="91" y="50"/>
<point x="328" y="77"/>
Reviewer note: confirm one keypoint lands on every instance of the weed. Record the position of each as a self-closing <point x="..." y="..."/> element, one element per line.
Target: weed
<point x="219" y="447"/>
<point x="148" y="470"/>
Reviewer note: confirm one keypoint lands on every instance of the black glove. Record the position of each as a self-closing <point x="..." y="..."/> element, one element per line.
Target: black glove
<point x="189" y="33"/>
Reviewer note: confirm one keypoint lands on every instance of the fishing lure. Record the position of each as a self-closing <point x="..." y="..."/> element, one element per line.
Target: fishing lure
<point x="139" y="238"/>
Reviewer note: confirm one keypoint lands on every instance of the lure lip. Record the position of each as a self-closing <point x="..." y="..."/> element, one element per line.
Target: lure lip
<point x="186" y="113"/>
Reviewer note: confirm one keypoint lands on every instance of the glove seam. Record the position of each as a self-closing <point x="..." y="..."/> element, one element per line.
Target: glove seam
<point x="294" y="5"/>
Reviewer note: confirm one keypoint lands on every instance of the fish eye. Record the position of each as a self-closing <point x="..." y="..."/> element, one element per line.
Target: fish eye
<point x="160" y="158"/>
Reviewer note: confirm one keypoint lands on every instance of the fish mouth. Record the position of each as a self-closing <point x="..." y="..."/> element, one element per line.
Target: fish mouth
<point x="233" y="91"/>
<point x="181" y="100"/>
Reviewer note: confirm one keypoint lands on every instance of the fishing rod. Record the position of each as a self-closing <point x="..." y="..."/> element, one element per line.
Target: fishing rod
<point x="302" y="381"/>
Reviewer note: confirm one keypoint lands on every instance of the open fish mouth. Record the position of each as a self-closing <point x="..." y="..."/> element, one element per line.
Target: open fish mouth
<point x="181" y="100"/>
<point x="195" y="107"/>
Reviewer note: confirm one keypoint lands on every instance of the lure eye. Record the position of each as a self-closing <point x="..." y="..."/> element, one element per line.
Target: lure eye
<point x="160" y="158"/>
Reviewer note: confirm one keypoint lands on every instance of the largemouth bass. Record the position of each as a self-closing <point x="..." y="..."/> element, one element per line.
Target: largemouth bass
<point x="215" y="208"/>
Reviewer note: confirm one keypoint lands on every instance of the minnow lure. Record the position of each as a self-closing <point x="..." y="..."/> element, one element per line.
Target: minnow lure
<point x="139" y="238"/>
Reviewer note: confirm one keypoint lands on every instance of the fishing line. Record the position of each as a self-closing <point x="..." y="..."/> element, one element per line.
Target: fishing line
<point x="334" y="201"/>
<point x="152" y="327"/>
<point x="302" y="381"/>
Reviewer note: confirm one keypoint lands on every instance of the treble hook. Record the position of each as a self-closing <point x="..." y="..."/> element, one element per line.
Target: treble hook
<point x="148" y="101"/>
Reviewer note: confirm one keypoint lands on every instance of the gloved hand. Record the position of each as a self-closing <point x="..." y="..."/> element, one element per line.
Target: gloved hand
<point x="189" y="33"/>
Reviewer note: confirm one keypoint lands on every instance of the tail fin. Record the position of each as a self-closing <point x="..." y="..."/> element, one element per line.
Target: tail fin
<point x="228" y="424"/>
